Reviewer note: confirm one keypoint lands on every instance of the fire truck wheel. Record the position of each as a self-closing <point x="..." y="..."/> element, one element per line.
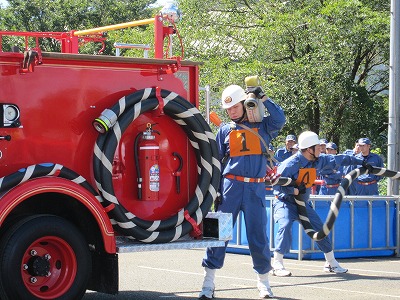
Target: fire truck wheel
<point x="44" y="257"/>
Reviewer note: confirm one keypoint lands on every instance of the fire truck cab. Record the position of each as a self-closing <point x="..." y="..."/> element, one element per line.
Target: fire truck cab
<point x="99" y="155"/>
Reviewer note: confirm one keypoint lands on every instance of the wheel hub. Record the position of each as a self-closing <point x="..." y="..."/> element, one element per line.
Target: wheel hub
<point x="38" y="266"/>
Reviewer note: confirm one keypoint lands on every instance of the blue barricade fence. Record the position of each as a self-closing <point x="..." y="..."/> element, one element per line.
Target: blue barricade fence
<point x="365" y="227"/>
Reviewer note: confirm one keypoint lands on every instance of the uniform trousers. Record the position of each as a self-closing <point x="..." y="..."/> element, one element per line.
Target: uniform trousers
<point x="249" y="198"/>
<point x="285" y="213"/>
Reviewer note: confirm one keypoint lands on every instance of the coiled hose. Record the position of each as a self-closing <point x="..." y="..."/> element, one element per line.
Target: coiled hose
<point x="124" y="112"/>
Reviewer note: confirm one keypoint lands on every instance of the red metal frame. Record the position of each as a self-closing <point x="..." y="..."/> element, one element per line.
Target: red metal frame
<point x="70" y="41"/>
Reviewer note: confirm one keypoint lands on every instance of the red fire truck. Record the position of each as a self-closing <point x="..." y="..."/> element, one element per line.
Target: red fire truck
<point x="99" y="155"/>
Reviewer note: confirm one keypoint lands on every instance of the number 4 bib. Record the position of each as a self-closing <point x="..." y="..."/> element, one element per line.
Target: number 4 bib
<point x="307" y="176"/>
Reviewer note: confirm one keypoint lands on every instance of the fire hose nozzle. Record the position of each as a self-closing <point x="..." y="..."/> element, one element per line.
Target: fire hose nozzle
<point x="106" y="120"/>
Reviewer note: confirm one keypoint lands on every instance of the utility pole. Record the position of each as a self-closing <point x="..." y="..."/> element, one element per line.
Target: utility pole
<point x="394" y="94"/>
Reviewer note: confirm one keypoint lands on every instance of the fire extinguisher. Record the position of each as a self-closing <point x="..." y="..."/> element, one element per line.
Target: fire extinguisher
<point x="147" y="164"/>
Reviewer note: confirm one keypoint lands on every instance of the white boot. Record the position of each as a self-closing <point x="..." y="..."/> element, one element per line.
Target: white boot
<point x="263" y="286"/>
<point x="279" y="269"/>
<point x="332" y="265"/>
<point x="207" y="290"/>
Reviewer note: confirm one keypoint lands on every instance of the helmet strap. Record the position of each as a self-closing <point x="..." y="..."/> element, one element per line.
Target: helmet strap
<point x="313" y="154"/>
<point x="240" y="119"/>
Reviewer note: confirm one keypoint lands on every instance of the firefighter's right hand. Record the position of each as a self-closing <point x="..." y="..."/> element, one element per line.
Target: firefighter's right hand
<point x="217" y="201"/>
<point x="256" y="90"/>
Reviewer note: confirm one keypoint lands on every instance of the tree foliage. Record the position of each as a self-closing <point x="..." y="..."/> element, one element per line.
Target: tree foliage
<point x="66" y="15"/>
<point x="324" y="61"/>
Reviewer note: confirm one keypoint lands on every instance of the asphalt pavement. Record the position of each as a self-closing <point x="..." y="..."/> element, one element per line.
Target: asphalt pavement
<point x="177" y="274"/>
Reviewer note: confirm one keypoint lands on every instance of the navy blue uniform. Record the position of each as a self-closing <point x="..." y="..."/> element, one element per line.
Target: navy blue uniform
<point x="367" y="184"/>
<point x="245" y="159"/>
<point x="285" y="209"/>
<point x="332" y="181"/>
<point x="282" y="153"/>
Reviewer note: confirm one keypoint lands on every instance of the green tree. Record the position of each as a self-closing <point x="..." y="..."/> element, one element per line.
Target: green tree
<point x="66" y="15"/>
<point x="325" y="62"/>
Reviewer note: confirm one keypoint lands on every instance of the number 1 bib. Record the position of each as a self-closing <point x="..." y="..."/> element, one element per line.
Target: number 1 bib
<point x="242" y="142"/>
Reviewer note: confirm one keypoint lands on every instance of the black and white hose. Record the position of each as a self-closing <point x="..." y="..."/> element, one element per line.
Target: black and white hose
<point x="41" y="170"/>
<point x="116" y="120"/>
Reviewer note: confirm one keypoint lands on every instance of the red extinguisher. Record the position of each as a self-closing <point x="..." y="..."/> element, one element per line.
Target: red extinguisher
<point x="147" y="164"/>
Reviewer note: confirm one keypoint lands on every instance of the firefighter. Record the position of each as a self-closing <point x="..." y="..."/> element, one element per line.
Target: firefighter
<point x="332" y="178"/>
<point x="367" y="184"/>
<point x="346" y="170"/>
<point x="302" y="168"/>
<point x="282" y="153"/>
<point x="242" y="151"/>
<point x="331" y="148"/>
<point x="323" y="143"/>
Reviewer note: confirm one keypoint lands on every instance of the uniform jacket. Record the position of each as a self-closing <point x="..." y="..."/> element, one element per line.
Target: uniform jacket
<point x="324" y="163"/>
<point x="243" y="163"/>
<point x="282" y="153"/>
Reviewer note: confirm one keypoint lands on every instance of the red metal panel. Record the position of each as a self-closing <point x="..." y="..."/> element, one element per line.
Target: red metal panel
<point x="61" y="98"/>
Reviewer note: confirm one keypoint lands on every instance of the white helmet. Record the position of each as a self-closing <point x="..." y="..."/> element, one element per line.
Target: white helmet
<point x="308" y="139"/>
<point x="232" y="95"/>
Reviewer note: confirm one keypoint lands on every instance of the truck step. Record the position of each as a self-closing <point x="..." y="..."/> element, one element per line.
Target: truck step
<point x="125" y="245"/>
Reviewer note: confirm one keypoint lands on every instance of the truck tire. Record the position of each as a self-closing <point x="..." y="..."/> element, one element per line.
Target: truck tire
<point x="44" y="257"/>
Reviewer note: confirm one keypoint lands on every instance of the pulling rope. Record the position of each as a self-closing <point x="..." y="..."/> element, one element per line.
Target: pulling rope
<point x="336" y="202"/>
<point x="122" y="114"/>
